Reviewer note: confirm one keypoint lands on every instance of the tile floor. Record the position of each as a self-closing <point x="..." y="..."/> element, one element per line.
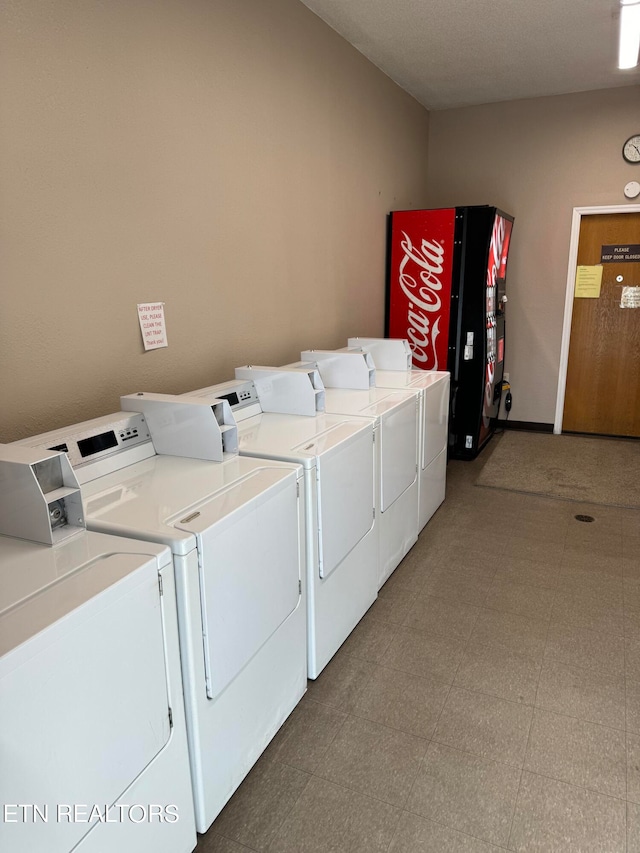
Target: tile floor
<point x="489" y="700"/>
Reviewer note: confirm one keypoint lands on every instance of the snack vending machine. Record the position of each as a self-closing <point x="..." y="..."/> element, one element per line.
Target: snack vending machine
<point x="446" y="293"/>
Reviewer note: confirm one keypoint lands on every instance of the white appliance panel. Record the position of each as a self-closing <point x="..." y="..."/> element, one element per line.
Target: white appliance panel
<point x="346" y="500"/>
<point x="434" y="484"/>
<point x="433" y="418"/>
<point x="296" y="438"/>
<point x="175" y="500"/>
<point x="436" y="420"/>
<point x="387" y="353"/>
<point x="100" y="673"/>
<point x="394" y="414"/>
<point x="229" y="734"/>
<point x="338" y="600"/>
<point x="398" y="438"/>
<point x="249" y="571"/>
<point x="147" y="500"/>
<point x="434" y="388"/>
<point x="49" y="589"/>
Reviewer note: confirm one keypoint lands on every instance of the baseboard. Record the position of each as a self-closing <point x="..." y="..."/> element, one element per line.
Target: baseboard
<point x="603" y="435"/>
<point x="529" y="426"/>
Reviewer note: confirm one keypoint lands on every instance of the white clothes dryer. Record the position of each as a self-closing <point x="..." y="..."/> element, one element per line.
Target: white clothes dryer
<point x="236" y="531"/>
<point x="392" y="358"/>
<point x="93" y="741"/>
<point x="350" y="389"/>
<point x="337" y="455"/>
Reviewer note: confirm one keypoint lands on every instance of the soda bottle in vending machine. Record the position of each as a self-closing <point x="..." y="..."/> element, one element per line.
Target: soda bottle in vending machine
<point x="446" y="294"/>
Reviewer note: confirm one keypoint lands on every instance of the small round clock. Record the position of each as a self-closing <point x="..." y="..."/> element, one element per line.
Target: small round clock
<point x="631" y="149"/>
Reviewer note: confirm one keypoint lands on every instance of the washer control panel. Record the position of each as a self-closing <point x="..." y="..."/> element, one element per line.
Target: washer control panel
<point x="96" y="439"/>
<point x="243" y="394"/>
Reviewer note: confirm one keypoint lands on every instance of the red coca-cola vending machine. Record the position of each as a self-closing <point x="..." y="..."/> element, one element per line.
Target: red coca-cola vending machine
<point x="446" y="293"/>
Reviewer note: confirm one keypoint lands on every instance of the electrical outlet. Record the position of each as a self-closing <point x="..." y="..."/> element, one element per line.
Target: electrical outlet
<point x="505" y="376"/>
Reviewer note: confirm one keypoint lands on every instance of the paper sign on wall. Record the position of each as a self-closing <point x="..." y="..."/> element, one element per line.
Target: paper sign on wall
<point x="588" y="282"/>
<point x="152" y="325"/>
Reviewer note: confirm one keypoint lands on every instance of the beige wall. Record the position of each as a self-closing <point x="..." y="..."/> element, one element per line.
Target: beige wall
<point x="234" y="159"/>
<point x="537" y="159"/>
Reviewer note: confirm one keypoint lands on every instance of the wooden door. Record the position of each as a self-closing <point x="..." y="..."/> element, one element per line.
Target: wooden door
<point x="603" y="374"/>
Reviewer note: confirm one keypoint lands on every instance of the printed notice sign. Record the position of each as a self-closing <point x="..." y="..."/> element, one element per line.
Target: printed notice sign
<point x="629" y="254"/>
<point x="588" y="282"/>
<point x="630" y="297"/>
<point x="152" y="325"/>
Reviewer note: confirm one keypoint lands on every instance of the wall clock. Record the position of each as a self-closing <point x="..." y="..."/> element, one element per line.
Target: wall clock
<point x="631" y="149"/>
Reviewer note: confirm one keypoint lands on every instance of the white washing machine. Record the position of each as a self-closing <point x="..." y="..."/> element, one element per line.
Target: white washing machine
<point x="93" y="741"/>
<point x="337" y="455"/>
<point x="350" y="382"/>
<point x="392" y="358"/>
<point x="236" y="531"/>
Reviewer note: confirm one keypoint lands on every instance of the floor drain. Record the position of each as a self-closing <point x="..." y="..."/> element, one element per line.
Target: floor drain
<point x="584" y="518"/>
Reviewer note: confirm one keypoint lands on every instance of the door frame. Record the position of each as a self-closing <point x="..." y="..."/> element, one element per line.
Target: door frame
<point x="578" y="213"/>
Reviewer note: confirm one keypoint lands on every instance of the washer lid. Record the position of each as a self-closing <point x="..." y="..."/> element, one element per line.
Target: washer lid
<point x="374" y="403"/>
<point x="409" y="378"/>
<point x="40" y="584"/>
<point x="147" y="500"/>
<point x="297" y="438"/>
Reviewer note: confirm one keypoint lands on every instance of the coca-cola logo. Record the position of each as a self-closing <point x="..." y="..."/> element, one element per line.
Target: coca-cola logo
<point x="419" y="276"/>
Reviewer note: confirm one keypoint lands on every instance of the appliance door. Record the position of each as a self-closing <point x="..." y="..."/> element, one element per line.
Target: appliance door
<point x="345" y="498"/>
<point x="249" y="567"/>
<point x="84" y="706"/>
<point x="436" y="418"/>
<point x="398" y="451"/>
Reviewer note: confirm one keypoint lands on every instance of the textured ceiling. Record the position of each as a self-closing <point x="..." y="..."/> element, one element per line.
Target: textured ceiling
<point x="453" y="53"/>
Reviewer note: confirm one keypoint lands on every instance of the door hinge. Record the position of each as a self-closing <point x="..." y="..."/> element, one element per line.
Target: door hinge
<point x="374" y="438"/>
<point x="297" y="488"/>
<point x="170" y="717"/>
<point x="299" y="587"/>
<point x="160" y="585"/>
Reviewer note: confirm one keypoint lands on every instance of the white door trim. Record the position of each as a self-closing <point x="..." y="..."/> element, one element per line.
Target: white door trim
<point x="578" y="213"/>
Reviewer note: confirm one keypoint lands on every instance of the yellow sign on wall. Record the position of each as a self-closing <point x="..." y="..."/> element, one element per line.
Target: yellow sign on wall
<point x="588" y="282"/>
